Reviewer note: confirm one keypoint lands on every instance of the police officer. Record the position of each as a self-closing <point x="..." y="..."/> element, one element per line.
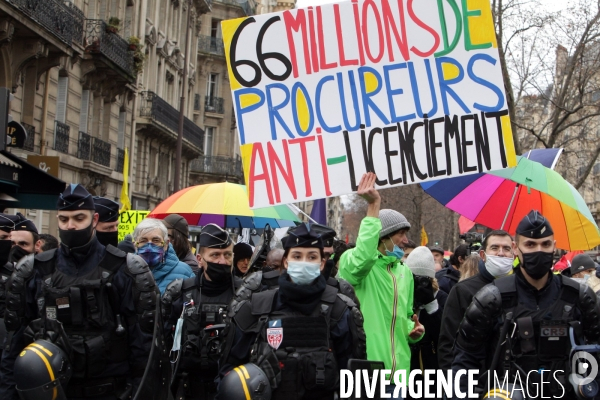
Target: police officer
<point x="195" y="310"/>
<point x="7" y="224"/>
<point x="531" y="313"/>
<point x="97" y="303"/>
<point x="107" y="230"/>
<point x="24" y="238"/>
<point x="301" y="333"/>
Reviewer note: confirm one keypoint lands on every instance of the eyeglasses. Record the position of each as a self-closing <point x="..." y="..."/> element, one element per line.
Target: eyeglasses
<point x="156" y="241"/>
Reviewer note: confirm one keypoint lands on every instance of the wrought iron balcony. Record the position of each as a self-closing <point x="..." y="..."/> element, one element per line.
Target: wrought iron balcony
<point x="61" y="18"/>
<point x="100" y="152"/>
<point x="213" y="104"/>
<point x="84" y="146"/>
<point x="218" y="165"/>
<point x="120" y="160"/>
<point x="196" y="102"/>
<point x="30" y="140"/>
<point x="112" y="46"/>
<point x="249" y="10"/>
<point x="162" y="112"/>
<point x="211" y="45"/>
<point x="61" y="137"/>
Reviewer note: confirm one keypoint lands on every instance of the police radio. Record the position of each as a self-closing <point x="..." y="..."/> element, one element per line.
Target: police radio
<point x="584" y="366"/>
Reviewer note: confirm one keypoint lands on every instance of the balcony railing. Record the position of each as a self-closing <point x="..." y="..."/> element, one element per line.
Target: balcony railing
<point x="30" y="140"/>
<point x="213" y="104"/>
<point x="245" y="5"/>
<point x="84" y="146"/>
<point x="196" y="102"/>
<point x="120" y="160"/>
<point x="162" y="112"/>
<point x="61" y="137"/>
<point x="61" y="18"/>
<point x="100" y="152"/>
<point x="111" y="45"/>
<point x="218" y="165"/>
<point x="212" y="45"/>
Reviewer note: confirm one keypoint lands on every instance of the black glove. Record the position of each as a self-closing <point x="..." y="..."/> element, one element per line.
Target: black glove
<point x="423" y="291"/>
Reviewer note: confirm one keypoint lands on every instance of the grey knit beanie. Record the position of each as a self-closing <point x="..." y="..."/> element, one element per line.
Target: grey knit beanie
<point x="421" y="263"/>
<point x="392" y="221"/>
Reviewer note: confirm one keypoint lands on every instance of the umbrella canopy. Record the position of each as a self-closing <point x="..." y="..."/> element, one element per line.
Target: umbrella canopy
<point x="224" y="204"/>
<point x="500" y="199"/>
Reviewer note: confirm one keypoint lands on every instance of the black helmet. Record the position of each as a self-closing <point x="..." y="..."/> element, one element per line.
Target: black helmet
<point x="41" y="371"/>
<point x="245" y="382"/>
<point x="511" y="392"/>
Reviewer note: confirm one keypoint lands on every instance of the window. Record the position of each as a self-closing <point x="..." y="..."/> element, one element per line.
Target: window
<point x="211" y="87"/>
<point x="61" y="99"/>
<point x="85" y="108"/>
<point x="215" y="28"/>
<point x="208" y="140"/>
<point x="122" y="123"/>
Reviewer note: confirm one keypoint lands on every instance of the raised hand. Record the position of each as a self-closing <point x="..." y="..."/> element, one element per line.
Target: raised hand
<point x="366" y="188"/>
<point x="418" y="330"/>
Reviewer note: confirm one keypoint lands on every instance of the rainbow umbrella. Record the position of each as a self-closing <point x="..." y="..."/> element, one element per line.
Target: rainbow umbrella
<point x="500" y="199"/>
<point x="224" y="204"/>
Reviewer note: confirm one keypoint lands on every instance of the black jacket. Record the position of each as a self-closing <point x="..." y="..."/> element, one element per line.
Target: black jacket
<point x="447" y="278"/>
<point x="458" y="300"/>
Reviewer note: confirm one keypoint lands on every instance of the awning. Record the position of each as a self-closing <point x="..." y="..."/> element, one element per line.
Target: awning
<point x="30" y="186"/>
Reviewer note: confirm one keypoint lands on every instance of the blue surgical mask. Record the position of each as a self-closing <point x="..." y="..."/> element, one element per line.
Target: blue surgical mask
<point x="302" y="272"/>
<point x="152" y="254"/>
<point x="396" y="252"/>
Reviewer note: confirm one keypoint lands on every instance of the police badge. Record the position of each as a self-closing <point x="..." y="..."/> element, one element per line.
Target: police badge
<point x="275" y="334"/>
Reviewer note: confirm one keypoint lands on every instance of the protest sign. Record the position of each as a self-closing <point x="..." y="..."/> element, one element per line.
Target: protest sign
<point x="411" y="90"/>
<point x="128" y="220"/>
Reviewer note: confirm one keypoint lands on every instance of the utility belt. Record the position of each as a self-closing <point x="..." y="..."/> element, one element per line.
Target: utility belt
<point x="117" y="387"/>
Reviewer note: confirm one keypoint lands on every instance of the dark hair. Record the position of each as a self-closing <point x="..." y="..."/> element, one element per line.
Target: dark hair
<point x="461" y="251"/>
<point x="50" y="242"/>
<point x="36" y="237"/>
<point x="497" y="232"/>
<point x="339" y="248"/>
<point x="180" y="243"/>
<point x="410" y="245"/>
<point x="287" y="251"/>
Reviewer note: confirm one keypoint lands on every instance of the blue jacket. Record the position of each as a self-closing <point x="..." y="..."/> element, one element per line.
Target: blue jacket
<point x="170" y="270"/>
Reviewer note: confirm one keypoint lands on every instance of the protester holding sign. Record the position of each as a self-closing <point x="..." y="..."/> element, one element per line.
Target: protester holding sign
<point x="374" y="268"/>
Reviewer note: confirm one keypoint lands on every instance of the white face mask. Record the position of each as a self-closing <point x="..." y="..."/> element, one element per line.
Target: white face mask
<point x="498" y="266"/>
<point x="302" y="272"/>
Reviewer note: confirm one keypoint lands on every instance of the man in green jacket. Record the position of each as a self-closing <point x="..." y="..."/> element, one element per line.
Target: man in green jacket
<point x="383" y="284"/>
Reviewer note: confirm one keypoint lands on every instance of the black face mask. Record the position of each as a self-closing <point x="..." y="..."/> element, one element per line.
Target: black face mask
<point x="218" y="273"/>
<point x="423" y="291"/>
<point x="537" y="264"/>
<point x="107" y="238"/>
<point x="5" y="247"/>
<point x="77" y="237"/>
<point x="16" y="253"/>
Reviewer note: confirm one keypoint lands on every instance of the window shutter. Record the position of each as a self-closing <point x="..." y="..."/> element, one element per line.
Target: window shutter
<point x="121" y="138"/>
<point x="61" y="101"/>
<point x="85" y="108"/>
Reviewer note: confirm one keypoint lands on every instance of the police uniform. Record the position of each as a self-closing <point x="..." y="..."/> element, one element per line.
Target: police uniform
<point x="7" y="224"/>
<point x="96" y="303"/>
<point x="201" y="305"/>
<point x="532" y="324"/>
<point x="108" y="211"/>
<point x="299" y="335"/>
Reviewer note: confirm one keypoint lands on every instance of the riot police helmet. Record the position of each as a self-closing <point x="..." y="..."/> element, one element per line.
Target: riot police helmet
<point x="510" y="392"/>
<point x="247" y="381"/>
<point x="42" y="371"/>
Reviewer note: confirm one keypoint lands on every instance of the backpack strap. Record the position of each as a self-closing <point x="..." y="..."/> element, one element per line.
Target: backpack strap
<point x="113" y="259"/>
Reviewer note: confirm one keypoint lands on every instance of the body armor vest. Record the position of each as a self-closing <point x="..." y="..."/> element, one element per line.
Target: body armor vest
<point x="202" y="347"/>
<point x="87" y="307"/>
<point x="293" y="349"/>
<point x="539" y="338"/>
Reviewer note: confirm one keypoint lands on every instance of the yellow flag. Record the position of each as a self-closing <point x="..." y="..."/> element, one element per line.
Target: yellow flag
<point x="125" y="188"/>
<point x="424" y="238"/>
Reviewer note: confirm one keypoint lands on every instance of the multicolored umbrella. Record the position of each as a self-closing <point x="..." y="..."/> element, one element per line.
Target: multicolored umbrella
<point x="500" y="199"/>
<point x="224" y="204"/>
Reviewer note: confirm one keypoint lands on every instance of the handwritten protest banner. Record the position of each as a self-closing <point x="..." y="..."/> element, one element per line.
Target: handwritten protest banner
<point x="411" y="90"/>
<point x="128" y="220"/>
